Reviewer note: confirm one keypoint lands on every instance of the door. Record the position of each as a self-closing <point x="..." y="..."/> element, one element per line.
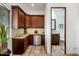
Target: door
<point x="58" y="25"/>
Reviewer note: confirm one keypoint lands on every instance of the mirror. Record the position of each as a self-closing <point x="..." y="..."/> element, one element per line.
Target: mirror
<point x="57" y="17"/>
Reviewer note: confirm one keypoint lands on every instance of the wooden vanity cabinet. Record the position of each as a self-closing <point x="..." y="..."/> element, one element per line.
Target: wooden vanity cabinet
<point x="42" y="39"/>
<point x="19" y="46"/>
<point x="55" y="39"/>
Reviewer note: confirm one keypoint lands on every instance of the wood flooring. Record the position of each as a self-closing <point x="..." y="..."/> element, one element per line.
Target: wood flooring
<point x="57" y="50"/>
<point x="40" y="51"/>
<point x="35" y="51"/>
<point x="32" y="50"/>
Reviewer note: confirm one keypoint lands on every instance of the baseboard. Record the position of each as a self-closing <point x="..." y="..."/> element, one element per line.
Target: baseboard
<point x="72" y="54"/>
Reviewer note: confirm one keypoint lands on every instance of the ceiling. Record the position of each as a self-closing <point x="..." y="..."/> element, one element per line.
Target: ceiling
<point x="38" y="8"/>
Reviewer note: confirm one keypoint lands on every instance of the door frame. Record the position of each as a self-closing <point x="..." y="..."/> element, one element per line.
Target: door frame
<point x="64" y="27"/>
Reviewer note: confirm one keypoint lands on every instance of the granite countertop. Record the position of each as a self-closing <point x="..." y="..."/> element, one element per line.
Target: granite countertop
<point x="37" y="34"/>
<point x="55" y="32"/>
<point x="22" y="36"/>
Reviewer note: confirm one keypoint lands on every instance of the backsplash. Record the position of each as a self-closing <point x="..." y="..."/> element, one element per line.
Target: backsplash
<point x="17" y="32"/>
<point x="29" y="31"/>
<point x="32" y="30"/>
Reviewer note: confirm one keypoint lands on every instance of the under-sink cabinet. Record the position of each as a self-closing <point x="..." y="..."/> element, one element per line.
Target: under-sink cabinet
<point x="42" y="39"/>
<point x="19" y="46"/>
<point x="55" y="39"/>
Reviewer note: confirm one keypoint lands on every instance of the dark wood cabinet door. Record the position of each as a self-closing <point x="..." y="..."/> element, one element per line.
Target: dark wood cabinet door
<point x="18" y="17"/>
<point x="40" y="21"/>
<point x="55" y="39"/>
<point x="21" y="46"/>
<point x="28" y="21"/>
<point x="26" y="43"/>
<point x="14" y="46"/>
<point x="42" y="39"/>
<point x="33" y="21"/>
<point x="21" y="19"/>
<point x="37" y="21"/>
<point x="30" y="39"/>
<point x="18" y="46"/>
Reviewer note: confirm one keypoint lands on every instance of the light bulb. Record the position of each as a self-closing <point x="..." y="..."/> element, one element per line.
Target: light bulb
<point x="32" y="4"/>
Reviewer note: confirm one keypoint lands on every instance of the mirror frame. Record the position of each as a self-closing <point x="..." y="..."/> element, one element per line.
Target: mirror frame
<point x="53" y="24"/>
<point x="64" y="27"/>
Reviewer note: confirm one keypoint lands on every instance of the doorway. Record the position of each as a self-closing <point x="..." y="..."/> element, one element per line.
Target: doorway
<point x="58" y="30"/>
